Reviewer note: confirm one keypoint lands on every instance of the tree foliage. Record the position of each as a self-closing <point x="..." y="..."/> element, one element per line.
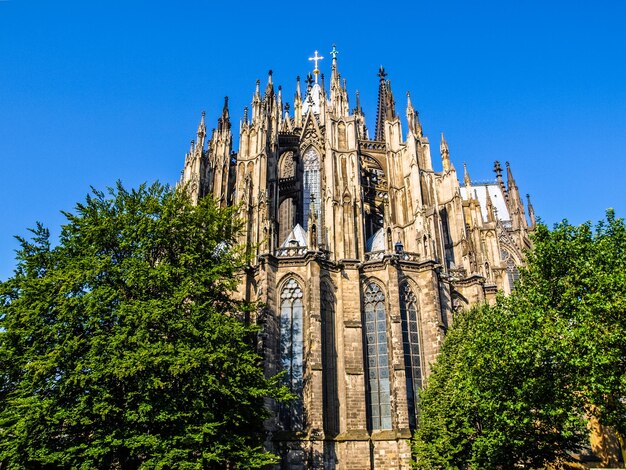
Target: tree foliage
<point x="122" y="346"/>
<point x="515" y="382"/>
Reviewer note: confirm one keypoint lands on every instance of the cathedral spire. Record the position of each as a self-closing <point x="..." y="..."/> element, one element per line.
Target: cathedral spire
<point x="531" y="212"/>
<point x="509" y="177"/>
<point x="279" y="103"/>
<point x="382" y="105"/>
<point x="412" y="117"/>
<point x="257" y="90"/>
<point x="491" y="217"/>
<point x="269" y="89"/>
<point x="445" y="153"/>
<point x="386" y="104"/>
<point x="256" y="102"/>
<point x="298" y="95"/>
<point x="223" y="123"/>
<point x="498" y="171"/>
<point x="338" y="93"/>
<point x="334" y="54"/>
<point x="466" y="177"/>
<point x="201" y="130"/>
<point x="297" y="104"/>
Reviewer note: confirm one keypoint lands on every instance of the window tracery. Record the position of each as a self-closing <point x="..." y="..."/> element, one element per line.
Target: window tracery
<point x="287" y="166"/>
<point x="311" y="187"/>
<point x="412" y="349"/>
<point x="512" y="270"/>
<point x="379" y="393"/>
<point x="291" y="351"/>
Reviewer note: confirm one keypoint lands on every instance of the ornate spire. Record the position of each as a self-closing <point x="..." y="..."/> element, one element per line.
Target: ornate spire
<point x="297" y="104"/>
<point x="382" y="105"/>
<point x="386" y="104"/>
<point x="257" y="91"/>
<point x="466" y="176"/>
<point x="201" y="129"/>
<point x="531" y="213"/>
<point x="256" y="102"/>
<point x="223" y="123"/>
<point x="358" y="103"/>
<point x="491" y="214"/>
<point x="509" y="177"/>
<point x="498" y="171"/>
<point x="269" y="89"/>
<point x="445" y="153"/>
<point x="412" y="117"/>
<point x="225" y="113"/>
<point x="334" y="54"/>
<point x="245" y="115"/>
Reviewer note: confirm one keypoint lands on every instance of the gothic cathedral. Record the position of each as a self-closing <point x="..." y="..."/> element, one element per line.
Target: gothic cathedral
<point x="361" y="254"/>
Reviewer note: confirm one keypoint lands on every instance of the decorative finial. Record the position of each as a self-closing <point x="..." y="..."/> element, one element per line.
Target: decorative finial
<point x="445" y="153"/>
<point x="497" y="168"/>
<point x="381" y="72"/>
<point x="309" y="80"/>
<point x="444" y="145"/>
<point x="316" y="58"/>
<point x="334" y="52"/>
<point x="257" y="91"/>
<point x="466" y="176"/>
<point x="531" y="213"/>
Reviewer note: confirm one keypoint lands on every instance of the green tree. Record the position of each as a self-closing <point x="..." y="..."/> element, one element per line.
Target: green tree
<point x="515" y="382"/>
<point x="122" y="346"/>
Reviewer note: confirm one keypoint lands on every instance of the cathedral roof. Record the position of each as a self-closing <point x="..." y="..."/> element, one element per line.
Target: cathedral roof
<point x="497" y="199"/>
<point x="297" y="237"/>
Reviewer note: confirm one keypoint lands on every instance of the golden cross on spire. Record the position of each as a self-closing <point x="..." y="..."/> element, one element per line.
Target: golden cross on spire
<point x="316" y="70"/>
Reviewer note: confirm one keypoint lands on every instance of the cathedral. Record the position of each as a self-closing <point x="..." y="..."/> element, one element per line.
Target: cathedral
<point x="361" y="253"/>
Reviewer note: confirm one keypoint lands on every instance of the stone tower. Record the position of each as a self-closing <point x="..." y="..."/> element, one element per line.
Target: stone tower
<point x="361" y="252"/>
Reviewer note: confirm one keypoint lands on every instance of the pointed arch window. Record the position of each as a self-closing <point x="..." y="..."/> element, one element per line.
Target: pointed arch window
<point x="512" y="270"/>
<point x="329" y="360"/>
<point x="411" y="348"/>
<point x="379" y="389"/>
<point x="311" y="187"/>
<point x="291" y="351"/>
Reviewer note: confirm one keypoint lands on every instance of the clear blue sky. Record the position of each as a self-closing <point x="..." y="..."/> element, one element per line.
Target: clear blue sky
<point x="95" y="91"/>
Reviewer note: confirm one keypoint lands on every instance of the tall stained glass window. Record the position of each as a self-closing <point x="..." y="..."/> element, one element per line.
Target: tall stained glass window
<point x="411" y="347"/>
<point x="291" y="351"/>
<point x="311" y="161"/>
<point x="329" y="360"/>
<point x="379" y="395"/>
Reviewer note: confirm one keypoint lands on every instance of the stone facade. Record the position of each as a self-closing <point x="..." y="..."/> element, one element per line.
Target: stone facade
<point x="361" y="252"/>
